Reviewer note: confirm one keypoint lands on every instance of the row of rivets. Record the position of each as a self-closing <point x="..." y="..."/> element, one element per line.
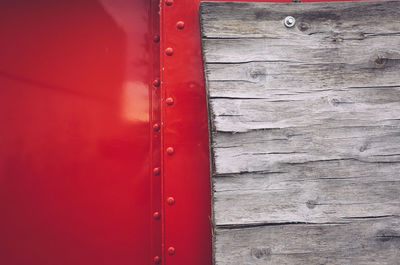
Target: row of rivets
<point x="169" y="51"/>
<point x="156" y="170"/>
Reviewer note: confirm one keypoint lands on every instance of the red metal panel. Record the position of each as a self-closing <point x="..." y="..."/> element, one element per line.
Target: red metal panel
<point x="75" y="136"/>
<point x="187" y="199"/>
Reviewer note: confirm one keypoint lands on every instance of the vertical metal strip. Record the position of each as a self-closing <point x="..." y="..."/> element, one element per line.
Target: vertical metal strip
<point x="156" y="130"/>
<point x="185" y="144"/>
<point x="162" y="96"/>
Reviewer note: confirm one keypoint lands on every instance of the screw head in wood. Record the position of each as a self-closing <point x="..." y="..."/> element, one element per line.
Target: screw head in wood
<point x="289" y="21"/>
<point x="171" y="251"/>
<point x="156" y="38"/>
<point x="169" y="2"/>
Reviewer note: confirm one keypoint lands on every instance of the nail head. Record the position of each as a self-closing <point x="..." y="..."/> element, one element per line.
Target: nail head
<point x="156" y="82"/>
<point x="180" y="24"/>
<point x="171" y="251"/>
<point x="157" y="260"/>
<point x="171" y="201"/>
<point x="169" y="51"/>
<point x="157" y="171"/>
<point x="169" y="101"/>
<point x="156" y="215"/>
<point x="170" y="150"/>
<point x="156" y="127"/>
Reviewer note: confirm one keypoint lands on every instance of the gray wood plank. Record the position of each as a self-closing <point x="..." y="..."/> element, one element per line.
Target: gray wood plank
<point x="317" y="192"/>
<point x="333" y="32"/>
<point x="363" y="241"/>
<point x="275" y="80"/>
<point x="305" y="131"/>
<point x="352" y="20"/>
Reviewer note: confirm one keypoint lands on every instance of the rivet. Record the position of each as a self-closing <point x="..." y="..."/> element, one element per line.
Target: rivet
<point x="170" y="151"/>
<point x="157" y="260"/>
<point x="156" y="82"/>
<point x="156" y="127"/>
<point x="171" y="201"/>
<point x="180" y="24"/>
<point x="169" y="2"/>
<point x="169" y="101"/>
<point x="156" y="38"/>
<point x="289" y="21"/>
<point x="171" y="251"/>
<point x="169" y="51"/>
<point x="156" y="215"/>
<point x="157" y="171"/>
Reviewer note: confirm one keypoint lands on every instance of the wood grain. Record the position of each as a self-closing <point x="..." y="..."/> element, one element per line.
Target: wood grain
<point x="305" y="131"/>
<point x="363" y="241"/>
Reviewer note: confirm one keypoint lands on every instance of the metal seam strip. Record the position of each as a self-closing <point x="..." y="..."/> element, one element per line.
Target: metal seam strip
<point x="156" y="130"/>
<point x="186" y="182"/>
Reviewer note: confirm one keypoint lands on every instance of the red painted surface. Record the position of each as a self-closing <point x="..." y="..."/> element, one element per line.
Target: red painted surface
<point x="75" y="172"/>
<point x="186" y="182"/>
<point x="104" y="155"/>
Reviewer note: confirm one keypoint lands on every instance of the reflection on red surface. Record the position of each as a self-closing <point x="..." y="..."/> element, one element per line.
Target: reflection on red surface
<point x="74" y="138"/>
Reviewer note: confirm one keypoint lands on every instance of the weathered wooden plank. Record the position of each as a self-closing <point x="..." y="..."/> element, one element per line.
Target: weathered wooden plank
<point x="317" y="192"/>
<point x="363" y="241"/>
<point x="261" y="149"/>
<point x="275" y="81"/>
<point x="305" y="125"/>
<point x="333" y="33"/>
<point x="350" y="20"/>
<point x="298" y="50"/>
<point x="329" y="109"/>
